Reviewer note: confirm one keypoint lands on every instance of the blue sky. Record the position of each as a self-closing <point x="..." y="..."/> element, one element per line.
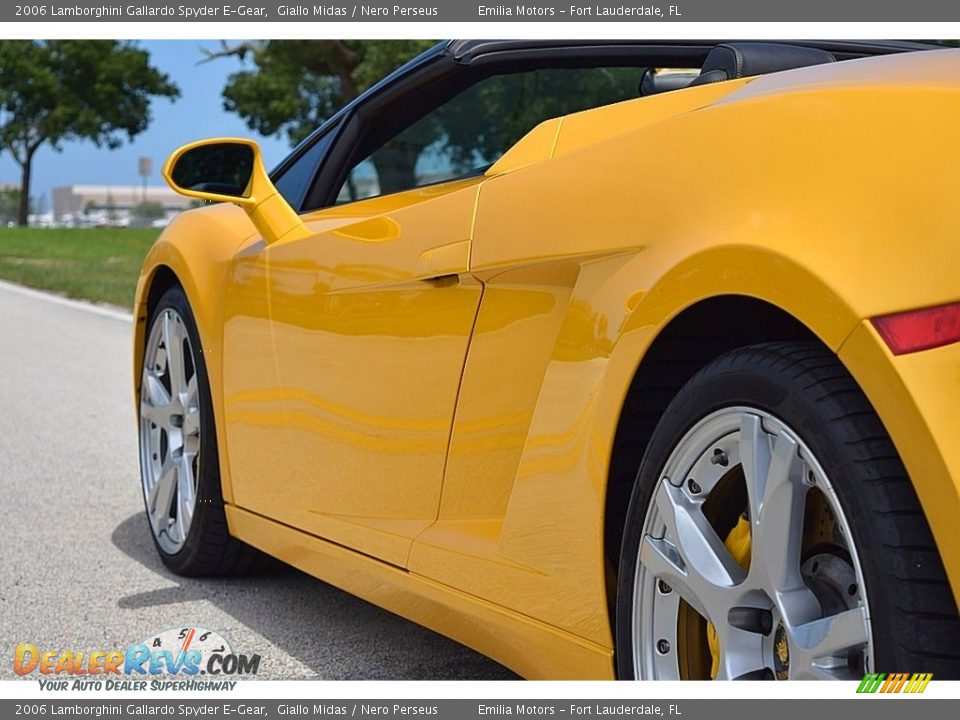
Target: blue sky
<point x="198" y="113"/>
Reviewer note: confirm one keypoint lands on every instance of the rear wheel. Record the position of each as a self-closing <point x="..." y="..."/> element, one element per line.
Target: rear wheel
<point x="179" y="464"/>
<point x="773" y="534"/>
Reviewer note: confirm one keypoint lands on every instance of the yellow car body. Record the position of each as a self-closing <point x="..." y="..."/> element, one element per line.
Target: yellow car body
<point x="417" y="399"/>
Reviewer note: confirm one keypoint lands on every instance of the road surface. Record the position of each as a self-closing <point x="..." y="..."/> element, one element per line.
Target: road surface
<point x="79" y="570"/>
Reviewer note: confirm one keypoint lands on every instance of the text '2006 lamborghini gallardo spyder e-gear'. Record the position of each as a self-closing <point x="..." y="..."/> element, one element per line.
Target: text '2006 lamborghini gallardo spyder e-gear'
<point x="607" y="359"/>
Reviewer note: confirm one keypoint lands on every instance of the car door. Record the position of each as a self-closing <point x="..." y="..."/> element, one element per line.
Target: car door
<point x="370" y="320"/>
<point x="371" y="315"/>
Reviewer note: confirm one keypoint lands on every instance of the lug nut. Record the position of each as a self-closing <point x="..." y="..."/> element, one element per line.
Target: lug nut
<point x="663" y="646"/>
<point x="663" y="587"/>
<point x="755" y="620"/>
<point x="720" y="458"/>
<point x="694" y="486"/>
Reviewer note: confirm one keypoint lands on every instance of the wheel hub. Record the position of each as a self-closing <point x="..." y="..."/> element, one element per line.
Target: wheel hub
<point x="781" y="653"/>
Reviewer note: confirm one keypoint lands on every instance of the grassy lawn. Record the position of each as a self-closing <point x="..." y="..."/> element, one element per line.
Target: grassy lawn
<point x="99" y="264"/>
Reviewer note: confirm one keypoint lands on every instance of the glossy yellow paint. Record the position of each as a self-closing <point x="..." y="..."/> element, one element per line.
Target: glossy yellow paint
<point x="503" y="635"/>
<point x="370" y="314"/>
<point x="461" y="427"/>
<point x="699" y="222"/>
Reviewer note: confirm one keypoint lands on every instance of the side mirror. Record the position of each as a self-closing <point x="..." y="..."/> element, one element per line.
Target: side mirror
<point x="231" y="170"/>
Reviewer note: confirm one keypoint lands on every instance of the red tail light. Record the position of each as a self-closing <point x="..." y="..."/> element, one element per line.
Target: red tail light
<point x="923" y="329"/>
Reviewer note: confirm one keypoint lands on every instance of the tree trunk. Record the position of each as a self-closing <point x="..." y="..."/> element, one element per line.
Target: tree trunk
<point x="396" y="167"/>
<point x="23" y="211"/>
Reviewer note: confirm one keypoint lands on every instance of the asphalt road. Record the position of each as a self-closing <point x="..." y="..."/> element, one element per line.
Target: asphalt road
<point x="78" y="568"/>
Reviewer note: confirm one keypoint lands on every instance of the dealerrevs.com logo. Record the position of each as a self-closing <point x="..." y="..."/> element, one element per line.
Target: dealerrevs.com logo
<point x="183" y="658"/>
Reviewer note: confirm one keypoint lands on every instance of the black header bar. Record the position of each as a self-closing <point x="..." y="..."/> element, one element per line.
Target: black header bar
<point x="326" y="11"/>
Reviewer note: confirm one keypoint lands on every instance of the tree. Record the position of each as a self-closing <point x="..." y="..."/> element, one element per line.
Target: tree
<point x="143" y="213"/>
<point x="9" y="203"/>
<point x="111" y="208"/>
<point x="58" y="90"/>
<point x="297" y="84"/>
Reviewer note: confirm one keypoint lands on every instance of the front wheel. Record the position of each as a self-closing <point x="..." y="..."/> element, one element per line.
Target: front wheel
<point x="179" y="464"/>
<point x="773" y="533"/>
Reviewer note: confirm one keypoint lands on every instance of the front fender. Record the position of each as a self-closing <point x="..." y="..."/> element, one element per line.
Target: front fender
<point x="197" y="248"/>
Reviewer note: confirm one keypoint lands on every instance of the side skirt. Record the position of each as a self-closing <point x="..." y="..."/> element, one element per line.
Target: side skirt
<point x="528" y="647"/>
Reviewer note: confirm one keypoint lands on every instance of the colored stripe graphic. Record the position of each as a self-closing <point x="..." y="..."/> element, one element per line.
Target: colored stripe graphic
<point x="894" y="683"/>
<point x="903" y="678"/>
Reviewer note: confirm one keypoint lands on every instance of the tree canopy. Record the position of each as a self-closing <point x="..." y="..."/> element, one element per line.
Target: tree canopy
<point x="294" y="85"/>
<point x="58" y="90"/>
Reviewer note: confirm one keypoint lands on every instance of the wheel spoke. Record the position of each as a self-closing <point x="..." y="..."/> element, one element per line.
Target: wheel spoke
<point x="741" y="656"/>
<point x="191" y="440"/>
<point x="662" y="560"/>
<point x="833" y="634"/>
<point x="755" y="456"/>
<point x="173" y="342"/>
<point x="778" y="522"/>
<point x="816" y="646"/>
<point x="776" y="493"/>
<point x="192" y="401"/>
<point x="185" y="494"/>
<point x="191" y="420"/>
<point x="161" y="496"/>
<point x="695" y="539"/>
<point x="153" y="391"/>
<point x="156" y="415"/>
<point x="691" y="558"/>
<point x="797" y="606"/>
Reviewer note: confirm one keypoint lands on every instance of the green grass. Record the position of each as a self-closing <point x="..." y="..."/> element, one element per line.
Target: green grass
<point x="98" y="264"/>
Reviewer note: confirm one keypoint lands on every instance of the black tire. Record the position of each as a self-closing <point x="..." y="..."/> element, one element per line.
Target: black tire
<point x="913" y="611"/>
<point x="209" y="549"/>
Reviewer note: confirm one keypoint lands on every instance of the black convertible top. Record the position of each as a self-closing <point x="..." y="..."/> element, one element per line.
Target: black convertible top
<point x="450" y="58"/>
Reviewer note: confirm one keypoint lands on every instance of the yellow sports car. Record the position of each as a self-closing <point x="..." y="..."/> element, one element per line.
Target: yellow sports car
<point x="607" y="359"/>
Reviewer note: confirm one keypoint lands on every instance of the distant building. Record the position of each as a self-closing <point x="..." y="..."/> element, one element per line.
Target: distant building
<point x="111" y="204"/>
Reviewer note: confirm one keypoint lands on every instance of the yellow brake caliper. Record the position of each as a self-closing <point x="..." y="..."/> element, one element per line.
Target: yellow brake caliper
<point x="738" y="545"/>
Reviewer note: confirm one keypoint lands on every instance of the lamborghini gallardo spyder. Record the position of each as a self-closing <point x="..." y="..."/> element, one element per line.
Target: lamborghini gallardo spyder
<point x="607" y="359"/>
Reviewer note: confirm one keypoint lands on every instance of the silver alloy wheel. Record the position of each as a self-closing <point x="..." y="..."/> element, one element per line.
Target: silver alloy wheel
<point x="169" y="430"/>
<point x="785" y="616"/>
